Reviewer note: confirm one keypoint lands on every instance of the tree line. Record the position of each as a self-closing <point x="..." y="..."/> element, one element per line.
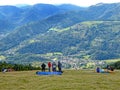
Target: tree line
<point x="116" y="65"/>
<point x="17" y="67"/>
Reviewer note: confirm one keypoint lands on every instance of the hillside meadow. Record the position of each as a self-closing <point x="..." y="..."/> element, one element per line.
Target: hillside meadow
<point x="69" y="80"/>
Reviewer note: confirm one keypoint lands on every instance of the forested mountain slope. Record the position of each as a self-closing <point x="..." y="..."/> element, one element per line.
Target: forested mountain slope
<point x="99" y="39"/>
<point x="91" y="32"/>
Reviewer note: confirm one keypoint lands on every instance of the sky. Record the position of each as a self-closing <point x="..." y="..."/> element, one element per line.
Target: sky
<point x="83" y="3"/>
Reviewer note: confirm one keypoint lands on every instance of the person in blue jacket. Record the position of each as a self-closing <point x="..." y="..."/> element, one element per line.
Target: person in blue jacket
<point x="98" y="70"/>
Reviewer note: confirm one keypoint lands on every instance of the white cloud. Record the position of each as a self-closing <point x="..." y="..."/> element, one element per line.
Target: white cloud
<point x="77" y="2"/>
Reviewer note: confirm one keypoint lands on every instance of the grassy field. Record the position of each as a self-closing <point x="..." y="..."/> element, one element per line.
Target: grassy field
<point x="70" y="80"/>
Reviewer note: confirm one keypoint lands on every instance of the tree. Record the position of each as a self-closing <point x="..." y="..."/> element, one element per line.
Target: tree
<point x="116" y="65"/>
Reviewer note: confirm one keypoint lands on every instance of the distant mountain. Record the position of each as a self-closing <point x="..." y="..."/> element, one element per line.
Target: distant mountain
<point x="9" y="18"/>
<point x="19" y="16"/>
<point x="10" y="13"/>
<point x="70" y="7"/>
<point x="39" y="12"/>
<point x="91" y="32"/>
<point x="31" y="29"/>
<point x="105" y="11"/>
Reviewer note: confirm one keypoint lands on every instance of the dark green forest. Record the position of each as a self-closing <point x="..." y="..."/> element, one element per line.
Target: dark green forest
<point x="16" y="67"/>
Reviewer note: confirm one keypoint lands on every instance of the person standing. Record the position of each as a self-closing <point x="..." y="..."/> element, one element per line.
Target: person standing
<point x="49" y="66"/>
<point x="43" y="67"/>
<point x="54" y="67"/>
<point x="59" y="66"/>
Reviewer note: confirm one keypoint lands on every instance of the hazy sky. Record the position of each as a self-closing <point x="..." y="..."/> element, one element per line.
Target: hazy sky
<point x="76" y="2"/>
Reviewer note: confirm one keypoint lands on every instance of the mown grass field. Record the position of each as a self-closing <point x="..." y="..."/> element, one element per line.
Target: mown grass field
<point x="70" y="80"/>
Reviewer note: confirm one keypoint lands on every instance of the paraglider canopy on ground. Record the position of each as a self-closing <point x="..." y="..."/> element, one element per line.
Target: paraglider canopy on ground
<point x="48" y="73"/>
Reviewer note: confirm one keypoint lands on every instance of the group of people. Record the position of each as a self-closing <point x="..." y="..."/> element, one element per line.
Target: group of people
<point x="52" y="66"/>
<point x="107" y="70"/>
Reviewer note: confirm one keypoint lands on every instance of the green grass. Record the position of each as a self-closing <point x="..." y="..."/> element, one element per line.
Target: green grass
<point x="112" y="60"/>
<point x="90" y="23"/>
<point x="70" y="80"/>
<point x="60" y="30"/>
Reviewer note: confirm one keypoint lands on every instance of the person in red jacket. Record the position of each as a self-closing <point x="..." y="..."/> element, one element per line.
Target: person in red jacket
<point x="49" y="66"/>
